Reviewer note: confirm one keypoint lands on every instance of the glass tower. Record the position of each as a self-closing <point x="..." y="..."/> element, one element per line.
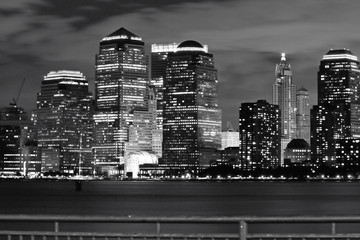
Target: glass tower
<point x="121" y="82"/>
<point x="337" y="116"/>
<point x="63" y="120"/>
<point x="284" y="95"/>
<point x="192" y="119"/>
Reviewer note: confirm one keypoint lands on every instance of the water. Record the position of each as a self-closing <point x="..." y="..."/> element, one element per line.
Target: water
<point x="181" y="198"/>
<point x="157" y="198"/>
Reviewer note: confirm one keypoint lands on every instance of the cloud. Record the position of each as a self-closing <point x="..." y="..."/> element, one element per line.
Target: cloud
<point x="246" y="38"/>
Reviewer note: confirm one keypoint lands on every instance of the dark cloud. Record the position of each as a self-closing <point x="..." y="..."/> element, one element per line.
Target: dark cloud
<point x="246" y="37"/>
<point x="9" y="12"/>
<point x="97" y="10"/>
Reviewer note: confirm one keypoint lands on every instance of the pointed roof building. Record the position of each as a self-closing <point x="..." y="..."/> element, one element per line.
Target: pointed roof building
<point x="122" y="34"/>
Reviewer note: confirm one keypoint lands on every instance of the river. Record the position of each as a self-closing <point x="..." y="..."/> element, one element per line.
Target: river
<point x="181" y="198"/>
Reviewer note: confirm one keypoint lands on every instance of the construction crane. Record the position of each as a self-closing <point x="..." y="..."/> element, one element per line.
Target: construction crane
<point x="19" y="92"/>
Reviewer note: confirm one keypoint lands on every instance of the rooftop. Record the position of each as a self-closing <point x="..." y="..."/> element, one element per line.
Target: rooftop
<point x="339" y="51"/>
<point x="122" y="33"/>
<point x="343" y="53"/>
<point x="298" y="144"/>
<point x="191" y="46"/>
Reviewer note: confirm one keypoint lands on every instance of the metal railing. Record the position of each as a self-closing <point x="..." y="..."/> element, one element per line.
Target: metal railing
<point x="33" y="227"/>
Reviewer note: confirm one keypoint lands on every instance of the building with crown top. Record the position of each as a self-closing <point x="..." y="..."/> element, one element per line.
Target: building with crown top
<point x="121" y="82"/>
<point x="192" y="118"/>
<point x="63" y="122"/>
<point x="335" y="121"/>
<point x="284" y="95"/>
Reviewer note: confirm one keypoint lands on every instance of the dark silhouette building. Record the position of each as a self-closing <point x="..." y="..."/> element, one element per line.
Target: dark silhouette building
<point x="18" y="147"/>
<point x="192" y="119"/>
<point x="63" y="121"/>
<point x="297" y="153"/>
<point x="336" y="117"/>
<point x="260" y="133"/>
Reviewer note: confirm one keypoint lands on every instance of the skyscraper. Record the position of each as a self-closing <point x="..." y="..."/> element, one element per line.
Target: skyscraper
<point x="63" y="120"/>
<point x="284" y="95"/>
<point x="159" y="61"/>
<point x="192" y="119"/>
<point x="259" y="130"/>
<point x="121" y="82"/>
<point x="337" y="116"/>
<point x="303" y="114"/>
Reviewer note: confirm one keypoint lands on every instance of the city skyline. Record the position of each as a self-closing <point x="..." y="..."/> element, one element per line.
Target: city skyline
<point x="42" y="36"/>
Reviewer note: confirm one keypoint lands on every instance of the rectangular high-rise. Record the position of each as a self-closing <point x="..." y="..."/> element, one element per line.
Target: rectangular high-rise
<point x="121" y="82"/>
<point x="259" y="130"/>
<point x="63" y="121"/>
<point x="159" y="60"/>
<point x="336" y="119"/>
<point x="192" y="119"/>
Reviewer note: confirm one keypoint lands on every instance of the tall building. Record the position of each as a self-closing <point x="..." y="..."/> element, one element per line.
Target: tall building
<point x="303" y="114"/>
<point x="230" y="137"/>
<point x="284" y="95"/>
<point x="337" y="116"/>
<point x="121" y="82"/>
<point x="259" y="129"/>
<point x="159" y="61"/>
<point x="63" y="121"/>
<point x="192" y="119"/>
<point x="18" y="148"/>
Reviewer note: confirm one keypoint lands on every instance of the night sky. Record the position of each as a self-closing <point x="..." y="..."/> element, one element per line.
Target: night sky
<point x="245" y="36"/>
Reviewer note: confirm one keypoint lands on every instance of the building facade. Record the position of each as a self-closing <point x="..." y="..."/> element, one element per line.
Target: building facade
<point x="121" y="82"/>
<point x="192" y="118"/>
<point x="303" y="114"/>
<point x="18" y="147"/>
<point x="284" y="95"/>
<point x="229" y="138"/>
<point x="259" y="129"/>
<point x="297" y="153"/>
<point x="63" y="121"/>
<point x="336" y="118"/>
<point x="142" y="128"/>
<point x="159" y="60"/>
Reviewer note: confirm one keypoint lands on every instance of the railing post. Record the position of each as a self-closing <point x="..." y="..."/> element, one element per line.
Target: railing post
<point x="56" y="226"/>
<point x="333" y="228"/>
<point x="158" y="229"/>
<point x="242" y="230"/>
